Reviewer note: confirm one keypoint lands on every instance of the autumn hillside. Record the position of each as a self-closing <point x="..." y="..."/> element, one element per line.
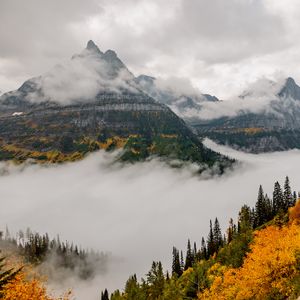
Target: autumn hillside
<point x="257" y="258"/>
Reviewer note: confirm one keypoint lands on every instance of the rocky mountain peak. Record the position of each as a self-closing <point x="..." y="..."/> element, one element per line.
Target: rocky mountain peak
<point x="91" y="46"/>
<point x="290" y="89"/>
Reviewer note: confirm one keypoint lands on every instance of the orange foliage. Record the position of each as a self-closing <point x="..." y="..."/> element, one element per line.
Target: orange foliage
<point x="22" y="288"/>
<point x="267" y="270"/>
<point x="294" y="213"/>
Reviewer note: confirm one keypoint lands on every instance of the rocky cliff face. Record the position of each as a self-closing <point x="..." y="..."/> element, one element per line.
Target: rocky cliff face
<point x="90" y="103"/>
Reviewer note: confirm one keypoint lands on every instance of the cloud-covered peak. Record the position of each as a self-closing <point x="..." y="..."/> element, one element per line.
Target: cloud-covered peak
<point x="93" y="48"/>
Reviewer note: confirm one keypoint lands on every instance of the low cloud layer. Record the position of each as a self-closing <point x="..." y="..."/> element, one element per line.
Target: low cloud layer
<point x="137" y="212"/>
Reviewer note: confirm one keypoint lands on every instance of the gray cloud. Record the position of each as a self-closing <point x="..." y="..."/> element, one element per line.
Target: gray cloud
<point x="104" y="207"/>
<point x="219" y="45"/>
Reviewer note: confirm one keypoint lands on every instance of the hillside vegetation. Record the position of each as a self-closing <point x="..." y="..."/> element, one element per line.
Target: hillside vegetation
<point x="257" y="258"/>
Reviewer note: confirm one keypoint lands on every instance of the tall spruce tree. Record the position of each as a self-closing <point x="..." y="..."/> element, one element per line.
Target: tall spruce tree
<point x="104" y="295"/>
<point x="278" y="203"/>
<point x="176" y="267"/>
<point x="288" y="199"/>
<point x="260" y="212"/>
<point x="210" y="241"/>
<point x="230" y="231"/>
<point x="181" y="260"/>
<point x="294" y="197"/>
<point x="203" y="249"/>
<point x="218" y="240"/>
<point x="189" y="260"/>
<point x="268" y="208"/>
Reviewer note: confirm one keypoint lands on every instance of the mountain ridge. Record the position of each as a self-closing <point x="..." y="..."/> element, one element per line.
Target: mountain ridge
<point x="47" y="121"/>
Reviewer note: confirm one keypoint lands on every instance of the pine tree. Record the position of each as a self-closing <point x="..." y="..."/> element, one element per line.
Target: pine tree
<point x="203" y="249"/>
<point x="288" y="199"/>
<point x="260" y="211"/>
<point x="294" y="198"/>
<point x="181" y="260"/>
<point x="278" y="203"/>
<point x="230" y="231"/>
<point x="176" y="267"/>
<point x="104" y="295"/>
<point x="217" y="235"/>
<point x="195" y="253"/>
<point x="189" y="260"/>
<point x="210" y="241"/>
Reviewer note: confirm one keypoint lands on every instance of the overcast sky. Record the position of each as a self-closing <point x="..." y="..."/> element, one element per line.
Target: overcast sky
<point x="219" y="45"/>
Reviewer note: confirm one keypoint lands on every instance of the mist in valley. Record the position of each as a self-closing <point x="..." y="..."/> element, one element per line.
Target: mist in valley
<point x="136" y="213"/>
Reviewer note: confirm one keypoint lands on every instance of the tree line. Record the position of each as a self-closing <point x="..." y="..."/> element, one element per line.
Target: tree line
<point x="228" y="249"/>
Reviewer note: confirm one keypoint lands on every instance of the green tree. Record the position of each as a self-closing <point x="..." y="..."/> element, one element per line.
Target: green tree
<point x="132" y="289"/>
<point x="217" y="235"/>
<point x="210" y="241"/>
<point x="104" y="295"/>
<point x="176" y="267"/>
<point x="155" y="281"/>
<point x="245" y="219"/>
<point x="278" y="203"/>
<point x="288" y="198"/>
<point x="189" y="260"/>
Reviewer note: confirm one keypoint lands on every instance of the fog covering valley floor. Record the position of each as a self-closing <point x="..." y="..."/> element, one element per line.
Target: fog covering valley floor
<point x="135" y="212"/>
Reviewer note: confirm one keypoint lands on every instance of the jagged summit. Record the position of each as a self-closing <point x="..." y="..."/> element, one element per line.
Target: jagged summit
<point x="91" y="46"/>
<point x="290" y="89"/>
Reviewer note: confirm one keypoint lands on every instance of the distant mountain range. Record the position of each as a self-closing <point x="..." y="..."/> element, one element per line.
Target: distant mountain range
<point x="275" y="127"/>
<point x="264" y="118"/>
<point x="89" y="103"/>
<point x="179" y="102"/>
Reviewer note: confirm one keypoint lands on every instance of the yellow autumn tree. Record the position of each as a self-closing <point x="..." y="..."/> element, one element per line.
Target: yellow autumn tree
<point x="267" y="271"/>
<point x="24" y="288"/>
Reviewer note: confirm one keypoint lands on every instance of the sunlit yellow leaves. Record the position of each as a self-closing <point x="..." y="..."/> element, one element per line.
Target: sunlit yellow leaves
<point x="267" y="270"/>
<point x="25" y="288"/>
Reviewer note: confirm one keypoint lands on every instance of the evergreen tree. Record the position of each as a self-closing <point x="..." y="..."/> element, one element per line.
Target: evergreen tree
<point x="210" y="241"/>
<point x="189" y="260"/>
<point x="294" y="197"/>
<point x="260" y="208"/>
<point x="176" y="267"/>
<point x="132" y="288"/>
<point x="181" y="260"/>
<point x="230" y="231"/>
<point x="195" y="252"/>
<point x="217" y="235"/>
<point x="104" y="295"/>
<point x="203" y="249"/>
<point x="278" y="203"/>
<point x="288" y="199"/>
<point x="245" y="220"/>
<point x="155" y="281"/>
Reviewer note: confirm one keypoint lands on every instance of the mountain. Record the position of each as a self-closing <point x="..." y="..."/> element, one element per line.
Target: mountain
<point x="180" y="102"/>
<point x="275" y="126"/>
<point x="88" y="103"/>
